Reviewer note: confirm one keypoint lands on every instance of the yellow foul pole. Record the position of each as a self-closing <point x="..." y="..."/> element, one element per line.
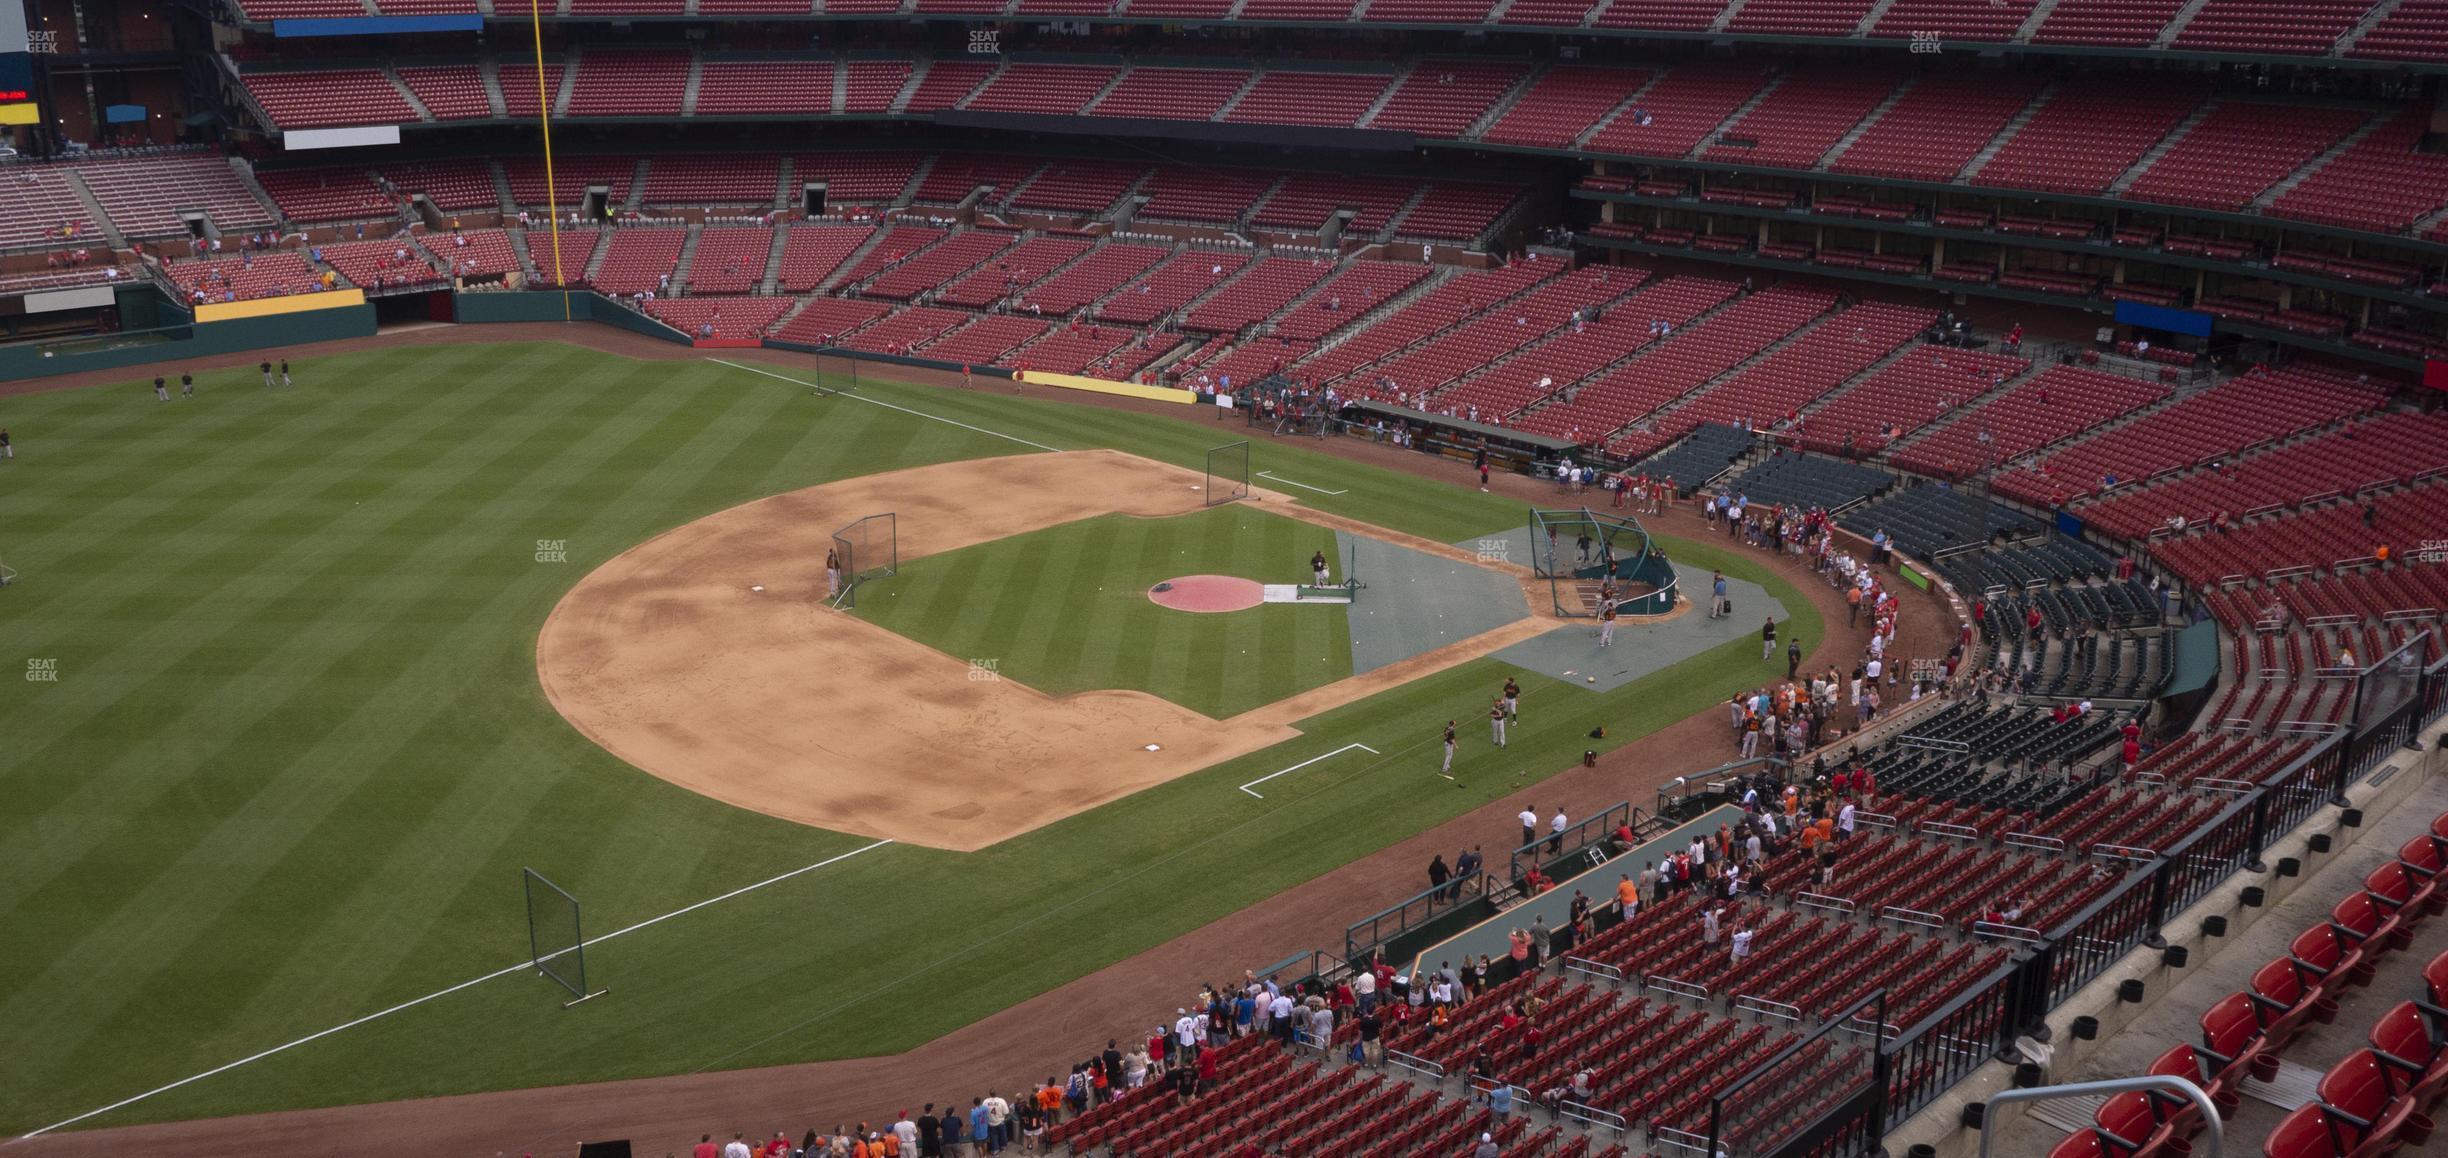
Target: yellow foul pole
<point x="552" y="202"/>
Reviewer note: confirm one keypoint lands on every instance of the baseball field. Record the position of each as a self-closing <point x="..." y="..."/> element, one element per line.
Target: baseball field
<point x="312" y="674"/>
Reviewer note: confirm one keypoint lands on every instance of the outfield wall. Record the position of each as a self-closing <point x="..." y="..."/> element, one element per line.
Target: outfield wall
<point x="181" y="337"/>
<point x="558" y="306"/>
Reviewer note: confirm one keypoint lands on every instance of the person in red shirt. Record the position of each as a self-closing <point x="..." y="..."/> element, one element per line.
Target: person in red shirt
<point x="705" y="1148"/>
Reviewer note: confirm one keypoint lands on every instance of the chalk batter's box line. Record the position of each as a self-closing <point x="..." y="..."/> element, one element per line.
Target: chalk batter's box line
<point x="1303" y="764"/>
<point x="1268" y="474"/>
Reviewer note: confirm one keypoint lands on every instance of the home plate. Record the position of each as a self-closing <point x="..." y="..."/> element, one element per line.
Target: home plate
<point x="1155" y="747"/>
<point x="758" y="587"/>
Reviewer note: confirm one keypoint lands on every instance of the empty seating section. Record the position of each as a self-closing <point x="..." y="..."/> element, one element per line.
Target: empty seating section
<point x="1081" y="351"/>
<point x="1426" y="11"/>
<point x="475" y="252"/>
<point x="1923" y="519"/>
<point x="2129" y="23"/>
<point x="1283" y="97"/>
<point x="730" y="259"/>
<point x="2317" y="537"/>
<point x="946" y="84"/>
<point x="720" y="317"/>
<point x="824" y="321"/>
<point x="325" y="194"/>
<point x="1085" y="187"/>
<point x="1456" y="212"/>
<point x="810" y="253"/>
<point x="636" y="260"/>
<point x="1678" y="110"/>
<point x="871" y="86"/>
<point x="628" y="7"/>
<point x="572" y="176"/>
<point x="2415" y="30"/>
<point x="1563" y="103"/>
<point x="713" y="179"/>
<point x="263" y="275"/>
<point x="986" y="340"/>
<point x="1091" y="278"/>
<point x="1501" y="331"/>
<point x="1335" y="10"/>
<point x="940" y="263"/>
<point x="765" y="86"/>
<point x="2379" y="183"/>
<point x="629" y="84"/>
<point x="266" y="10"/>
<point x="1664" y="15"/>
<point x="1171" y="285"/>
<point x="1174" y="94"/>
<point x="1941" y="123"/>
<point x="1051" y="89"/>
<point x="380" y="265"/>
<point x="1065" y="7"/>
<point x="1564" y="362"/>
<point x="1438" y="310"/>
<point x="955" y="176"/>
<point x="2088" y="134"/>
<point x="328" y="98"/>
<point x="753" y="7"/>
<point x="2240" y="149"/>
<point x="2303" y="26"/>
<point x="1948" y="20"/>
<point x="1800" y="17"/>
<point x="2062" y="401"/>
<point x="1359" y="288"/>
<point x="1691" y="463"/>
<point x="424" y="7"/>
<point x="450" y="92"/>
<point x="1441" y="98"/>
<point x="2383" y="451"/>
<point x="854" y="177"/>
<point x="1804" y="117"/>
<point x="1208" y="9"/>
<point x="907" y="329"/>
<point x="517" y="80"/>
<point x="1922" y="387"/>
<point x="145" y="196"/>
<point x="38" y="208"/>
<point x="2223" y="420"/>
<point x="1268" y="285"/>
<point x="450" y="185"/>
<point x="1307" y="200"/>
<point x="969" y="7"/>
<point x="1807" y="480"/>
<point x="1011" y="271"/>
<point x="1695" y="354"/>
<point x="1217" y="196"/>
<point x="1752" y="400"/>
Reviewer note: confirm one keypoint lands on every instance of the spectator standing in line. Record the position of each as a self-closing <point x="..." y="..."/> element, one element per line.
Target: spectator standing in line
<point x="1555" y="830"/>
<point x="952" y="1129"/>
<point x="998" y="1122"/>
<point x="930" y="1133"/>
<point x="1438" y="875"/>
<point x="737" y="1147"/>
<point x="905" y="1133"/>
<point x="979" y="1140"/>
<point x="705" y="1147"/>
<point x="1529" y="823"/>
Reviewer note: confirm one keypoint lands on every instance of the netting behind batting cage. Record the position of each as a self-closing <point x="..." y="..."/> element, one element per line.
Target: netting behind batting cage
<point x="1582" y="554"/>
<point x="866" y="550"/>
<point x="555" y="943"/>
<point x="1228" y="473"/>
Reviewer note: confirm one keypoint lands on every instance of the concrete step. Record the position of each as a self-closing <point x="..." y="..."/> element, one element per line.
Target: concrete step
<point x="688" y="256"/>
<point x="2175" y="27"/>
<point x="1629" y="103"/>
<point x="2039" y="16"/>
<point x="407" y="94"/>
<point x="2371" y="20"/>
<point x="2333" y="152"/>
<point x="2014" y="125"/>
<point x="771" y="283"/>
<point x="1855" y="133"/>
<point x="1871" y="18"/>
<point x="696" y="75"/>
<point x="1246" y="85"/>
<point x="2151" y="156"/>
<point x="1504" y="104"/>
<point x="93" y="209"/>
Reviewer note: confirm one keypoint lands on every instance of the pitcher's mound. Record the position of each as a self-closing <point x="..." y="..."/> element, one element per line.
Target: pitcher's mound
<point x="1208" y="593"/>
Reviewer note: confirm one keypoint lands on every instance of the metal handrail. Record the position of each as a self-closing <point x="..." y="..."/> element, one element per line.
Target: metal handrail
<point x="2211" y="1125"/>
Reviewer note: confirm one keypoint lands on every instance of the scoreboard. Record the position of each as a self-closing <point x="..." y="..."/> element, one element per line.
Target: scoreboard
<point x="16" y="66"/>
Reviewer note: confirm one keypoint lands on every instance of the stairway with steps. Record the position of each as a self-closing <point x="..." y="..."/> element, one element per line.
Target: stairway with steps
<point x="1959" y="413"/>
<point x="1855" y="133"/>
<point x="2379" y="12"/>
<point x="1378" y="106"/>
<point x="2031" y="24"/>
<point x="1871" y="18"/>
<point x="93" y="210"/>
<point x="785" y="188"/>
<point x="1629" y="102"/>
<point x="918" y="176"/>
<point x="2151" y="156"/>
<point x="1235" y="99"/>
<point x="501" y="189"/>
<point x="2014" y="125"/>
<point x="696" y="76"/>
<point x="909" y="88"/>
<point x="245" y="172"/>
<point x="490" y="73"/>
<point x="1369" y="317"/>
<point x="637" y="187"/>
<point x="526" y="256"/>
<point x="562" y="85"/>
<point x="688" y="257"/>
<point x="1404" y="210"/>
<point x="1504" y="104"/>
<point x="1743" y="110"/>
<point x="407" y="94"/>
<point x="771" y="283"/>
<point x="1726" y="17"/>
<point x="1699" y="388"/>
<point x="2176" y="26"/>
<point x="2273" y="193"/>
<point x="596" y="252"/>
<point x="832" y="280"/>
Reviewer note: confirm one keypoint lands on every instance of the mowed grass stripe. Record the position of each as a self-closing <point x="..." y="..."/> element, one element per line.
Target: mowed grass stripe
<point x="313" y="775"/>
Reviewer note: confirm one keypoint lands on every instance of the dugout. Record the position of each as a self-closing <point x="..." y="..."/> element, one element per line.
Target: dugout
<point x="1508" y="450"/>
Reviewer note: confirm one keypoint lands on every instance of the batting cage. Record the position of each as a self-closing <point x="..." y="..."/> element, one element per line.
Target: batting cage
<point x="1581" y="552"/>
<point x="1228" y="473"/>
<point x="868" y="549"/>
<point x="556" y="937"/>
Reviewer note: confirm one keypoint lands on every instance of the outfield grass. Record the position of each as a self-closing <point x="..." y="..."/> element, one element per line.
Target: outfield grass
<point x="296" y="755"/>
<point x="1065" y="609"/>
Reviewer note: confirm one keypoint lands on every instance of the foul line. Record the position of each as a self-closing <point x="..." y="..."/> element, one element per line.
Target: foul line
<point x="473" y="981"/>
<point x="1306" y="763"/>
<point x="889" y="406"/>
<point x="1301" y="485"/>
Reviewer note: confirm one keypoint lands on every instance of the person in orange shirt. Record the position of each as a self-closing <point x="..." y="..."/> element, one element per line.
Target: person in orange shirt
<point x="1627" y="896"/>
